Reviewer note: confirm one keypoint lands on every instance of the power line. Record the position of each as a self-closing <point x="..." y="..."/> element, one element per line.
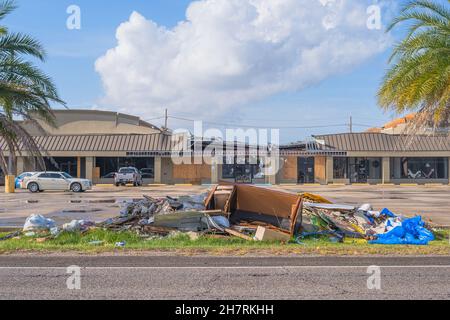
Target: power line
<point x="249" y="126"/>
<point x="282" y="120"/>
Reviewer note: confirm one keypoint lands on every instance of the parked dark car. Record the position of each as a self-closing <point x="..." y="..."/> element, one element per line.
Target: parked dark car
<point x="148" y="173"/>
<point x="110" y="175"/>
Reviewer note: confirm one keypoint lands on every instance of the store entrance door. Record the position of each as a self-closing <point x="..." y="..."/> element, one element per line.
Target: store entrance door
<point x="359" y="170"/>
<point x="306" y="170"/>
<point x="243" y="173"/>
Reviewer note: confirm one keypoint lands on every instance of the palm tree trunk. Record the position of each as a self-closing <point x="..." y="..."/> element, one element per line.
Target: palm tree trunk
<point x="11" y="160"/>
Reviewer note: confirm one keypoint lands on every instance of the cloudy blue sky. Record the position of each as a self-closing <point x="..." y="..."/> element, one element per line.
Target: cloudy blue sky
<point x="264" y="63"/>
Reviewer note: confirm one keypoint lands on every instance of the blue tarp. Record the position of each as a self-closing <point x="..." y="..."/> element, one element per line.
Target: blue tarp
<point x="412" y="231"/>
<point x="388" y="213"/>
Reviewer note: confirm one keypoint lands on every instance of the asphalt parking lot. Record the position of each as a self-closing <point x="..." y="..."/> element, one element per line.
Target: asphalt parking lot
<point x="432" y="202"/>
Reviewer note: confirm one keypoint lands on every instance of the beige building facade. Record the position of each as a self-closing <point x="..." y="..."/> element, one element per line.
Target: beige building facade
<point x="95" y="144"/>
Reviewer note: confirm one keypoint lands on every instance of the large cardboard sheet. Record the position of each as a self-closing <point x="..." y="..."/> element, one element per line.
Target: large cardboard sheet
<point x="266" y="201"/>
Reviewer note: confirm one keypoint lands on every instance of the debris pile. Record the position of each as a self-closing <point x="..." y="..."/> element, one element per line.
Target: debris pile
<point x="322" y="218"/>
<point x="150" y="217"/>
<point x="250" y="213"/>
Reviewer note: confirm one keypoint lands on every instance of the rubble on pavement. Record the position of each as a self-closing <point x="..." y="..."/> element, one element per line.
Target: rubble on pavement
<point x="250" y="213"/>
<point x="323" y="218"/>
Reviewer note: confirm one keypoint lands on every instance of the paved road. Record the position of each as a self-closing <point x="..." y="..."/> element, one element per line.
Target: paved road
<point x="170" y="277"/>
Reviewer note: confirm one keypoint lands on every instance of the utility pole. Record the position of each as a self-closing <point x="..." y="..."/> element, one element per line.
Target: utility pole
<point x="351" y="124"/>
<point x="166" y="119"/>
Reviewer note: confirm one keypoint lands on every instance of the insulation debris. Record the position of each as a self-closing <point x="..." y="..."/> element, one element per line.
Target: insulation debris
<point x="323" y="218"/>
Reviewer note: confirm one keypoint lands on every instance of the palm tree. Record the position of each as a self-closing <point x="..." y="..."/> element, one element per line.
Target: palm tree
<point x="419" y="78"/>
<point x="25" y="92"/>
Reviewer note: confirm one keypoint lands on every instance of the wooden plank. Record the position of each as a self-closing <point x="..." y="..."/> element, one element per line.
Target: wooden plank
<point x="210" y="197"/>
<point x="290" y="169"/>
<point x="238" y="234"/>
<point x="192" y="172"/>
<point x="230" y="199"/>
<point x="320" y="169"/>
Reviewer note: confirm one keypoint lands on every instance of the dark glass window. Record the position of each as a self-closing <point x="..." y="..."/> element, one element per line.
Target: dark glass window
<point x="108" y="166"/>
<point x="63" y="164"/>
<point x="305" y="167"/>
<point x="228" y="171"/>
<point x="243" y="171"/>
<point x="363" y="169"/>
<point x="340" y="167"/>
<point x="419" y="168"/>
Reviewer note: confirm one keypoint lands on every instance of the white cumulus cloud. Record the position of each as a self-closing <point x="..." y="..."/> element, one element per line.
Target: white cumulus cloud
<point x="227" y="53"/>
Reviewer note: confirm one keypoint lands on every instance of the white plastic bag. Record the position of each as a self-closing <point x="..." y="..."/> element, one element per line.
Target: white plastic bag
<point x="37" y="222"/>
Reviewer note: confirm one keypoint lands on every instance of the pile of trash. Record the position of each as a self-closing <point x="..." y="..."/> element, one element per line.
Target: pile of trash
<point x="151" y="217"/>
<point x="321" y="218"/>
<point x="250" y="213"/>
<point x="36" y="225"/>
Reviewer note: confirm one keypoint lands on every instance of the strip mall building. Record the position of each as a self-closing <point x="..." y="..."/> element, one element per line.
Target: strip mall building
<point x="95" y="144"/>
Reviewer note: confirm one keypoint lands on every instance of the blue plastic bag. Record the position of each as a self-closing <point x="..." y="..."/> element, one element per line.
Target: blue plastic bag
<point x="412" y="231"/>
<point x="388" y="213"/>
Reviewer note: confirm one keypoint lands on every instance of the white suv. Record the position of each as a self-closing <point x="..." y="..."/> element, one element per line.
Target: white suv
<point x="41" y="181"/>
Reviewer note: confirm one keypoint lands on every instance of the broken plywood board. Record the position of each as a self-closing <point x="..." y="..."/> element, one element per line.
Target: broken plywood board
<point x="267" y="234"/>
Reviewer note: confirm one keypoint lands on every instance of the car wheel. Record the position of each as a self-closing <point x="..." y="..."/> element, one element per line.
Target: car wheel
<point x="33" y="187"/>
<point x="76" y="187"/>
<point x="117" y="184"/>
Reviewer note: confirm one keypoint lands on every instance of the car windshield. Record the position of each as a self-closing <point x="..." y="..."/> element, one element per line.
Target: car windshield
<point x="127" y="170"/>
<point x="66" y="175"/>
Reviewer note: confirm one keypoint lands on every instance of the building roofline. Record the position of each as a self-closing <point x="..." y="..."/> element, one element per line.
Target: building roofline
<point x="137" y="119"/>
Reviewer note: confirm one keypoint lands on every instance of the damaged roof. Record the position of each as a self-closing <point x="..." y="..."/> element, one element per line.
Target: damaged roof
<point x="383" y="142"/>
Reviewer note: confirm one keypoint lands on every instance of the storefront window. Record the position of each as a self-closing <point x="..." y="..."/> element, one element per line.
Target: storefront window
<point x="245" y="172"/>
<point x="364" y="169"/>
<point x="340" y="166"/>
<point x="108" y="166"/>
<point x="419" y="168"/>
<point x="64" y="164"/>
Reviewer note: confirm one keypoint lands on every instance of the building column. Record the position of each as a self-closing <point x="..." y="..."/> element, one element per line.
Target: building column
<point x="89" y="168"/>
<point x="158" y="170"/>
<point x="78" y="167"/>
<point x="329" y="170"/>
<point x="448" y="169"/>
<point x="271" y="179"/>
<point x="274" y="167"/>
<point x="214" y="172"/>
<point x="20" y="165"/>
<point x="386" y="169"/>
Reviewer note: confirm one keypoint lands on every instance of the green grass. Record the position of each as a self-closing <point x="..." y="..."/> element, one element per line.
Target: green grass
<point x="181" y="244"/>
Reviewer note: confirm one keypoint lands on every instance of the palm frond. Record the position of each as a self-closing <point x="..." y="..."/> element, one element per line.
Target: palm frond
<point x="17" y="43"/>
<point x="6" y="7"/>
<point x="419" y="77"/>
<point x="25" y="92"/>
